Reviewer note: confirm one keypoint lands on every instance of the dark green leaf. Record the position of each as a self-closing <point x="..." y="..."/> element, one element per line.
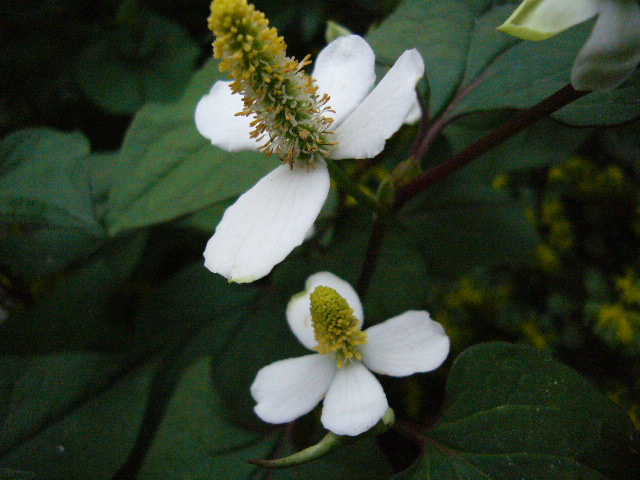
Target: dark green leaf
<point x="101" y="167"/>
<point x="70" y="415"/>
<point x="461" y="223"/>
<point x="514" y="413"/>
<point x="360" y="461"/>
<point x="544" y="143"/>
<point x="80" y="311"/>
<point x="167" y="169"/>
<point x="7" y="474"/>
<point x="197" y="440"/>
<point x="146" y="59"/>
<point x="46" y="212"/>
<point x="461" y="48"/>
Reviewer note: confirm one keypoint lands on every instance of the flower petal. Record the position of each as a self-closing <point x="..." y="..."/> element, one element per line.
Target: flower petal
<point x="288" y="389"/>
<point x="364" y="132"/>
<point x="405" y="344"/>
<point x="216" y="119"/>
<point x="355" y="401"/>
<point x="540" y="19"/>
<point x="267" y="222"/>
<point x="345" y="71"/>
<point x="612" y="51"/>
<point x="299" y="318"/>
<point x="415" y="113"/>
<point x="299" y="307"/>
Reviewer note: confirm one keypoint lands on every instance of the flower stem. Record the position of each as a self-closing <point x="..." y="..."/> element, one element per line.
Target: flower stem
<point x="343" y="179"/>
<point x="519" y="122"/>
<point x="371" y="257"/>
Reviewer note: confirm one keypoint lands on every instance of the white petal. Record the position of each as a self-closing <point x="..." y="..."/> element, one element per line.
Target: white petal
<point x="612" y="51"/>
<point x="405" y="344"/>
<point x="288" y="389"/>
<point x="540" y="19"/>
<point x="216" y="119"/>
<point x="299" y="318"/>
<point x="299" y="307"/>
<point x="415" y="113"/>
<point x="364" y="132"/>
<point x="345" y="71"/>
<point x="355" y="401"/>
<point x="267" y="222"/>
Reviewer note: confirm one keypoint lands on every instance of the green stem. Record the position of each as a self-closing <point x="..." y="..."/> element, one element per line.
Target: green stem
<point x="349" y="186"/>
<point x="519" y="122"/>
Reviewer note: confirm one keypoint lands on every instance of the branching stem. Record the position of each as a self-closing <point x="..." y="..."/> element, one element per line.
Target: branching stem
<point x="519" y="122"/>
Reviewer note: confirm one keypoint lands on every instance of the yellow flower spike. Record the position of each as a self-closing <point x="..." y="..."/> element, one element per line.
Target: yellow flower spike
<point x="288" y="112"/>
<point x="336" y="329"/>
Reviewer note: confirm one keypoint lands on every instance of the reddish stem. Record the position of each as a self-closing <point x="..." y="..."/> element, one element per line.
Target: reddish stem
<point x="519" y="122"/>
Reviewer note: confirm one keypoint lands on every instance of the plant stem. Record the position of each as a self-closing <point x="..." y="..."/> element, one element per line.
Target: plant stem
<point x="343" y="179"/>
<point x="428" y="136"/>
<point x="519" y="122"/>
<point x="371" y="257"/>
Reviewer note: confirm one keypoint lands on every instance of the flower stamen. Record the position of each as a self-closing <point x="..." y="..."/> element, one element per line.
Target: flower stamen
<point x="337" y="330"/>
<point x="276" y="91"/>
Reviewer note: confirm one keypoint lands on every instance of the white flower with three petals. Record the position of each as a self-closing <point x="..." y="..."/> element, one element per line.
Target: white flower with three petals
<point x="353" y="398"/>
<point x="268" y="221"/>
<point x="611" y="52"/>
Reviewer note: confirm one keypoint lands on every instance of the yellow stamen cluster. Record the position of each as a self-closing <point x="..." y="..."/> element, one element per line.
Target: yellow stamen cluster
<point x="288" y="113"/>
<point x="337" y="330"/>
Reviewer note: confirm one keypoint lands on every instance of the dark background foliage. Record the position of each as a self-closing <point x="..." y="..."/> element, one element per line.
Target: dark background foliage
<point x="122" y="357"/>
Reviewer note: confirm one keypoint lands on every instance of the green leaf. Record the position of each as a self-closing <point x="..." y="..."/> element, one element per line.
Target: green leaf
<point x="462" y="223"/>
<point x="101" y="167"/>
<point x="7" y="474"/>
<point x="79" y="311"/>
<point x="362" y="460"/>
<point x="146" y="59"/>
<point x="461" y="48"/>
<point x="513" y="412"/>
<point x="46" y="212"/>
<point x="71" y="415"/>
<point x="197" y="440"/>
<point x="545" y="143"/>
<point x="167" y="169"/>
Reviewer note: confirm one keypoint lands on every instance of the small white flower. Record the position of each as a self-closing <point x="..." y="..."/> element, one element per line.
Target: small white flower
<point x="273" y="217"/>
<point x="611" y="52"/>
<point x="353" y="398"/>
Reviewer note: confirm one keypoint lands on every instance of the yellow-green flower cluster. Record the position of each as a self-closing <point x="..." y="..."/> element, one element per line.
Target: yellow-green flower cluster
<point x="336" y="329"/>
<point x="289" y="113"/>
<point x="581" y="198"/>
<point x="467" y="301"/>
<point x="590" y="181"/>
<point x="619" y="323"/>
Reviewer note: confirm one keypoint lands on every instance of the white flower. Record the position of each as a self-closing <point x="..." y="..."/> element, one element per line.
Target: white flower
<point x="353" y="398"/>
<point x="273" y="217"/>
<point x="611" y="52"/>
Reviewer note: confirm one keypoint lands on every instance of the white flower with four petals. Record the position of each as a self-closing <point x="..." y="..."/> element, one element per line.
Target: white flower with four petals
<point x="353" y="398"/>
<point x="268" y="221"/>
